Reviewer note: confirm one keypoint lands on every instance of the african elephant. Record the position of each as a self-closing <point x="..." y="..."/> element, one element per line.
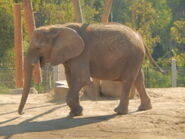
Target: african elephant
<point x="101" y="51"/>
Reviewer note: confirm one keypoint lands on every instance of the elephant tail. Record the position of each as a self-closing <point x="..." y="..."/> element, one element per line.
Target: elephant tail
<point x="152" y="60"/>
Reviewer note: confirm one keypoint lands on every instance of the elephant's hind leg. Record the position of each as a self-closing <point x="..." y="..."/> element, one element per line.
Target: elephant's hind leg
<point x="122" y="108"/>
<point x="145" y="99"/>
<point x="129" y="77"/>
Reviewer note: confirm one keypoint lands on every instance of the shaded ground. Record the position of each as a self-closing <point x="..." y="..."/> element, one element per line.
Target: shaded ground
<point x="46" y="119"/>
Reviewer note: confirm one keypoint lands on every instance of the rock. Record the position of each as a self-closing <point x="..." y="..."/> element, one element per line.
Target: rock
<point x="107" y="88"/>
<point x="93" y="89"/>
<point x="60" y="90"/>
<point x="111" y="88"/>
<point x="114" y="89"/>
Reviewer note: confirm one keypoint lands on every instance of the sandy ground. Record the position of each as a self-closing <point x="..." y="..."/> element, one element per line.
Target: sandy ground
<point x="46" y="119"/>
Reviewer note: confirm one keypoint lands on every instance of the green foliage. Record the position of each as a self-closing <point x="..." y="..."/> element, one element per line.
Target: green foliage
<point x="149" y="17"/>
<point x="58" y="12"/>
<point x="17" y="1"/>
<point x="4" y="89"/>
<point x="143" y="18"/>
<point x="154" y="79"/>
<point x="178" y="32"/>
<point x="6" y="33"/>
<point x="53" y="12"/>
<point x="178" y="9"/>
<point x="7" y="77"/>
<point x="180" y="58"/>
<point x="91" y="10"/>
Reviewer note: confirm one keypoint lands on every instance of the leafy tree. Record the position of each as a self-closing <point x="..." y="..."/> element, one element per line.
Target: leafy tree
<point x="178" y="32"/>
<point x="178" y="9"/>
<point x="152" y="18"/>
<point x="143" y="19"/>
<point x="162" y="28"/>
<point x="53" y="12"/>
<point x="58" y="12"/>
<point x="91" y="10"/>
<point x="6" y="33"/>
<point x="178" y="36"/>
<point x="141" y="16"/>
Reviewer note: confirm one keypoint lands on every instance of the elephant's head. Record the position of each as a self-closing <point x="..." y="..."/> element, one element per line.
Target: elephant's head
<point x="50" y="44"/>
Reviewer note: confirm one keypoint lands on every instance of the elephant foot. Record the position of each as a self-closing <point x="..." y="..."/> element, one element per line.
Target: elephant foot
<point x="121" y="111"/>
<point x="76" y="112"/>
<point x="144" y="107"/>
<point x="20" y="112"/>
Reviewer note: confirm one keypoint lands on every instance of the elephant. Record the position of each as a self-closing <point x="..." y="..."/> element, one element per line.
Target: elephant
<point x="101" y="51"/>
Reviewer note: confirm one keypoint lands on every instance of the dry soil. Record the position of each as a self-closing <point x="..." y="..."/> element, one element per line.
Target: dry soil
<point x="45" y="118"/>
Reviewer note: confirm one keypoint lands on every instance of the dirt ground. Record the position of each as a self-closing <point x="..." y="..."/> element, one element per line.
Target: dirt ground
<point x="46" y="119"/>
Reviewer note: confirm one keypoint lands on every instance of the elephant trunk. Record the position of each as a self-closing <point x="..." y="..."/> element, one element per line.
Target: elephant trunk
<point x="28" y="67"/>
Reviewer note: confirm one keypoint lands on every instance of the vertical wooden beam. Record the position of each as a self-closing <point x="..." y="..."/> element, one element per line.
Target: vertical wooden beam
<point x="30" y="23"/>
<point x="18" y="45"/>
<point x="105" y="19"/>
<point x="93" y="90"/>
<point x="174" y="73"/>
<point x="106" y="11"/>
<point x="78" y="11"/>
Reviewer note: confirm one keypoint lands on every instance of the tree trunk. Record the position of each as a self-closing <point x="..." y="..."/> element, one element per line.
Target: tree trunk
<point x="106" y="11"/>
<point x="78" y="11"/>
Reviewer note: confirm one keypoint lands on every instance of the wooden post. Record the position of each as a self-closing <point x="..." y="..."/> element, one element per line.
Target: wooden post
<point x="105" y="19"/>
<point x="78" y="11"/>
<point x="106" y="11"/>
<point x="30" y="23"/>
<point x="79" y="19"/>
<point x="95" y="89"/>
<point x="18" y="45"/>
<point x="174" y="73"/>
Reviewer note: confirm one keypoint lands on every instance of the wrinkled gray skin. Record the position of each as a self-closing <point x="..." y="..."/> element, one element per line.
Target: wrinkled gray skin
<point x="106" y="52"/>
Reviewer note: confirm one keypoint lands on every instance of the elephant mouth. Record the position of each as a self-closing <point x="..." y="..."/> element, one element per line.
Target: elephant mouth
<point x="43" y="60"/>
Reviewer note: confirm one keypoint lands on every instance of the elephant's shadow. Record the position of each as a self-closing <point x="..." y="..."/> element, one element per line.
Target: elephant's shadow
<point x="56" y="124"/>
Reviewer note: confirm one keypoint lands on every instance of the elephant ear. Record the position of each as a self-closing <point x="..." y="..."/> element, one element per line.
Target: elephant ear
<point x="67" y="44"/>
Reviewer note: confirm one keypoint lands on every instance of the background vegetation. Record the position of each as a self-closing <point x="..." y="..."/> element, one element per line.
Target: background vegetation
<point x="160" y="22"/>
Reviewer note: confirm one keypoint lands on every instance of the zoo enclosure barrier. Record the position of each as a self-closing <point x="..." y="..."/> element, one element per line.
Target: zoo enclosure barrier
<point x="153" y="78"/>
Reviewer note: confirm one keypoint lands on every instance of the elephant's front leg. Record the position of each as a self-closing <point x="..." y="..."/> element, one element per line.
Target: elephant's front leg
<point x="78" y="76"/>
<point x="72" y="100"/>
<point x="75" y="83"/>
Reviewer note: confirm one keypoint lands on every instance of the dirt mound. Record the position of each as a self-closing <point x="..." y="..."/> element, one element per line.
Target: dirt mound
<point x="45" y="118"/>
